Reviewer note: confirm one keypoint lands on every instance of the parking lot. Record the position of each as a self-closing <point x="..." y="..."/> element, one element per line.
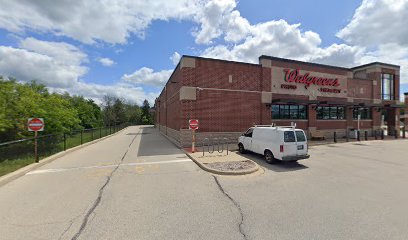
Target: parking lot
<point x="344" y="191"/>
<point x="124" y="187"/>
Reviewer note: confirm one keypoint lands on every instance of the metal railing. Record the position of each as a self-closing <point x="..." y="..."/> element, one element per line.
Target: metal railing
<point x="22" y="152"/>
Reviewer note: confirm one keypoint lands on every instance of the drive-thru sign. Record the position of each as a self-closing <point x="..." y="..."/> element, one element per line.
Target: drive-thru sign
<point x="193" y="124"/>
<point x="35" y="124"/>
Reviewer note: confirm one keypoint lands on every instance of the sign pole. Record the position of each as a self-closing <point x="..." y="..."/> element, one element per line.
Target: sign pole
<point x="193" y="142"/>
<point x="36" y="146"/>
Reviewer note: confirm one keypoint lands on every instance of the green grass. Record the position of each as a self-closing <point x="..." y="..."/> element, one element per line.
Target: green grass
<point x="11" y="165"/>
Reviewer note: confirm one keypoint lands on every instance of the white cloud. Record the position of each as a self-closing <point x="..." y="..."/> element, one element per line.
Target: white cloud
<point x="218" y="17"/>
<point x="121" y="90"/>
<point x="380" y="26"/>
<point x="27" y="65"/>
<point x="91" y="20"/>
<point x="378" y="22"/>
<point x="107" y="62"/>
<point x="60" y="51"/>
<point x="278" y="38"/>
<point x="175" y="58"/>
<point x="148" y="76"/>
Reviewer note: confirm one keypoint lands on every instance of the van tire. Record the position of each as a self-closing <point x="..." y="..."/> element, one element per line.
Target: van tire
<point x="241" y="148"/>
<point x="269" y="158"/>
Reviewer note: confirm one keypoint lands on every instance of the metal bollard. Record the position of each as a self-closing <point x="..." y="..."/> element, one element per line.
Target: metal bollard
<point x="358" y="136"/>
<point x="347" y="137"/>
<point x="382" y="134"/>
<point x="335" y="137"/>
<point x="396" y="133"/>
<point x="366" y="135"/>
<point x="403" y="132"/>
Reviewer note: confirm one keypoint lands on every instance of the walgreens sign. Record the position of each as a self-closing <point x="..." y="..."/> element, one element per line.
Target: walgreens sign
<point x="292" y="75"/>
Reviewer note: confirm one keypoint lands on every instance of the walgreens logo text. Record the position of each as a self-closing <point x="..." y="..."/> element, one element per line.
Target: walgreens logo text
<point x="294" y="76"/>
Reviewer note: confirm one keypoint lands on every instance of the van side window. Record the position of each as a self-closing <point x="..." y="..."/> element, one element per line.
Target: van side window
<point x="249" y="132"/>
<point x="300" y="136"/>
<point x="289" y="136"/>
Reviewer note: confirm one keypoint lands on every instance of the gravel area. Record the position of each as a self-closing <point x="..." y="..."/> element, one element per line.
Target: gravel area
<point x="231" y="166"/>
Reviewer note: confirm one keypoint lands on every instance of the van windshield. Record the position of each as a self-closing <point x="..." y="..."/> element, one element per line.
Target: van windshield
<point x="300" y="136"/>
<point x="289" y="136"/>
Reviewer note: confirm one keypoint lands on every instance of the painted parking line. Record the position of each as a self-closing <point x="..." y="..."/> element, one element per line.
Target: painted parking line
<point x="56" y="170"/>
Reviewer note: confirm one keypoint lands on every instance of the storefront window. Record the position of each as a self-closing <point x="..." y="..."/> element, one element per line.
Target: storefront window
<point x="289" y="111"/>
<point x="365" y="113"/>
<point x="387" y="86"/>
<point x="330" y="113"/>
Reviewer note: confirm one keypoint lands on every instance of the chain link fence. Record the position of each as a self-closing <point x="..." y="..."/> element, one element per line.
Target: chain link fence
<point x="19" y="153"/>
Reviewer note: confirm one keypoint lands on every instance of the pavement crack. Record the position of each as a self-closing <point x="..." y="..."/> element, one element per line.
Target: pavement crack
<point x="99" y="198"/>
<point x="236" y="205"/>
<point x="71" y="222"/>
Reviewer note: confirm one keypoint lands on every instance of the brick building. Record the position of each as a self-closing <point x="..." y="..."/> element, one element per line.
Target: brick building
<point x="228" y="97"/>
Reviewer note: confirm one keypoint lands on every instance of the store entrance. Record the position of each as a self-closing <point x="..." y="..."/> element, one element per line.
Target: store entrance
<point x="390" y="121"/>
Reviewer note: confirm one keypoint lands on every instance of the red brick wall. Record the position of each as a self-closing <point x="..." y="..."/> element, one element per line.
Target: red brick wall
<point x="308" y="67"/>
<point x="358" y="88"/>
<point x="224" y="111"/>
<point x="215" y="74"/>
<point x="234" y="111"/>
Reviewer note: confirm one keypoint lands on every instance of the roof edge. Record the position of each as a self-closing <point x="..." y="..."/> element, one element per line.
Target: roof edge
<point x="302" y="62"/>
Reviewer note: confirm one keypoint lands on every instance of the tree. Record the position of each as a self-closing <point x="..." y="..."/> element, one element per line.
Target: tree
<point x="146" y="115"/>
<point x="22" y="101"/>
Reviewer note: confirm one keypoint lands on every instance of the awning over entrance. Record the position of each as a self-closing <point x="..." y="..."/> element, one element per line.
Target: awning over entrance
<point x="336" y="103"/>
<point x="395" y="105"/>
<point x="294" y="101"/>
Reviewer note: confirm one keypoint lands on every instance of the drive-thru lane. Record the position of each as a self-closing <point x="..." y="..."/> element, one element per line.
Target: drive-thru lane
<point x="134" y="185"/>
<point x="138" y="185"/>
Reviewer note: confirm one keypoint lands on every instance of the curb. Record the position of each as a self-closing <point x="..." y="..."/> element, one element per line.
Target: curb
<point x="212" y="170"/>
<point x="219" y="172"/>
<point x="22" y="171"/>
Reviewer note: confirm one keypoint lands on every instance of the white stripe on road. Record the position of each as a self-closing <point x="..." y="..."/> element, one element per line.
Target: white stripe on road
<point x="104" y="166"/>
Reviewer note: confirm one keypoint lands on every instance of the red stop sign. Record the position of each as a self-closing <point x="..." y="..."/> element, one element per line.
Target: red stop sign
<point x="193" y="124"/>
<point x="35" y="124"/>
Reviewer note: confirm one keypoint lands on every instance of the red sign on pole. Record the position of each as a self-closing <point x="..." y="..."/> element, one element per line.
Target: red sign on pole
<point x="35" y="124"/>
<point x="193" y="124"/>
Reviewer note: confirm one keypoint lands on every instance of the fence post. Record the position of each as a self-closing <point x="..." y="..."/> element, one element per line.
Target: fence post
<point x="92" y="136"/>
<point x="82" y="136"/>
<point x="347" y="135"/>
<point x="396" y="133"/>
<point x="335" y="136"/>
<point x="366" y="135"/>
<point x="358" y="135"/>
<point x="100" y="132"/>
<point x="375" y="134"/>
<point x="403" y="132"/>
<point x="382" y="134"/>
<point x="65" y="141"/>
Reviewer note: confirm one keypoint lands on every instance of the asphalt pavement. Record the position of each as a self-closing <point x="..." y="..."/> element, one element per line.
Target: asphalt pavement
<point x="138" y="185"/>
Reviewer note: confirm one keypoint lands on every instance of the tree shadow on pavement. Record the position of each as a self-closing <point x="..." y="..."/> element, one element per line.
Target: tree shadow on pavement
<point x="153" y="143"/>
<point x="277" y="167"/>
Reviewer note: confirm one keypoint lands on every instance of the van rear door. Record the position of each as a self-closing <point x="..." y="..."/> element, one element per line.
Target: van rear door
<point x="301" y="143"/>
<point x="290" y="145"/>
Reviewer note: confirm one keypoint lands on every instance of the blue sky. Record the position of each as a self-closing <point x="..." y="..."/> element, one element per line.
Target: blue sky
<point x="93" y="49"/>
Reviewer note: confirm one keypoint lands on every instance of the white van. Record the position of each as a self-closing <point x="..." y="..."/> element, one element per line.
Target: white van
<point x="275" y="143"/>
